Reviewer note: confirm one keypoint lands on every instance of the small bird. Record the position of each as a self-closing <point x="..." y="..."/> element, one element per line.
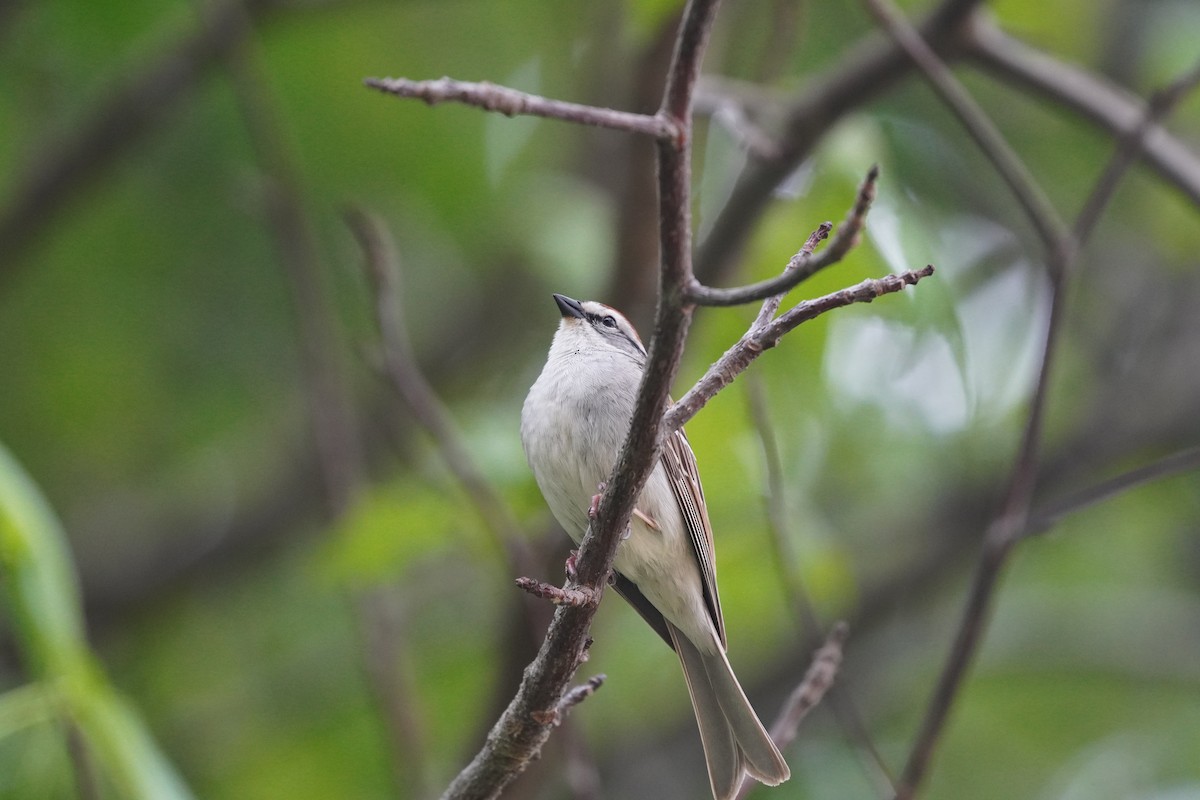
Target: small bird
<point x="573" y="424"/>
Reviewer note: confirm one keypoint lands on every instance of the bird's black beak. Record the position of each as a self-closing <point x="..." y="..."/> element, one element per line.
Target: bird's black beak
<point x="569" y="307"/>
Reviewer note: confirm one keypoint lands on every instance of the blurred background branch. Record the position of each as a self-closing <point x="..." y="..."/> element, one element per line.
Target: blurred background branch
<point x="157" y="384"/>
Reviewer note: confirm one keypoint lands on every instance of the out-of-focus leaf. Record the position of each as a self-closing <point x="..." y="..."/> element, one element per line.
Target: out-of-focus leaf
<point x="41" y="592"/>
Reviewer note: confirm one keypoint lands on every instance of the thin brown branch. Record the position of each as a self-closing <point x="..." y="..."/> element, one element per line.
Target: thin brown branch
<point x="1130" y="146"/>
<point x="817" y="681"/>
<point x="771" y="290"/>
<point x="805" y="263"/>
<point x="330" y="407"/>
<point x="405" y="376"/>
<point x="1037" y="207"/>
<point x="1013" y="518"/>
<point x="1108" y="106"/>
<point x="511" y="103"/>
<point x="797" y="264"/>
<point x="572" y="698"/>
<point x="756" y="341"/>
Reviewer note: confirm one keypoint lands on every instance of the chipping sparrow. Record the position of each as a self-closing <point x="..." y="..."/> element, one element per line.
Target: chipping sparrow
<point x="573" y="424"/>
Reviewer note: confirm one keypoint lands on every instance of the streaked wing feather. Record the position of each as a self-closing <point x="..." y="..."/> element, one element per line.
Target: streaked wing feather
<point x="684" y="477"/>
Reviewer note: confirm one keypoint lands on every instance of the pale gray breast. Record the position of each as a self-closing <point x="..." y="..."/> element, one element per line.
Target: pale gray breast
<point x="572" y="426"/>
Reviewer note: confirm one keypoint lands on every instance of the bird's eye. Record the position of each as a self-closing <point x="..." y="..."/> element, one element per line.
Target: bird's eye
<point x="609" y="322"/>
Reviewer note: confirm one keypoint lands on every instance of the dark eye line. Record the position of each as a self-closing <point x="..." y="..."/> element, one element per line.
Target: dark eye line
<point x="607" y="320"/>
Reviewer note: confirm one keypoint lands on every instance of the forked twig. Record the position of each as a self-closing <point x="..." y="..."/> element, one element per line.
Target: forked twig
<point x="805" y="263"/>
<point x="758" y="340"/>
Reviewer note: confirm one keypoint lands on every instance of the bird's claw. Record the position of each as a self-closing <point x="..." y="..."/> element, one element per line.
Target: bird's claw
<point x="594" y="506"/>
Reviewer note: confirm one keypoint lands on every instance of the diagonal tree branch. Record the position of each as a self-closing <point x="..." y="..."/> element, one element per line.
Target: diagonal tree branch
<point x="817" y="681"/>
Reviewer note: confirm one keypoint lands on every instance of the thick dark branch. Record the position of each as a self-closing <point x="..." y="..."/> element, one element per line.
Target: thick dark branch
<point x="1038" y="208"/>
<point x="517" y="737"/>
<point x="1106" y="105"/>
<point x="757" y="340"/>
<point x="511" y="103"/>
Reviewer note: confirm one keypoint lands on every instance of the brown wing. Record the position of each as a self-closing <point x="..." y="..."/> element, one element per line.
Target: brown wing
<point x="684" y="477"/>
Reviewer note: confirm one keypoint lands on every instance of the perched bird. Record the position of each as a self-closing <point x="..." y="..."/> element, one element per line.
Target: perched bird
<point x="573" y="424"/>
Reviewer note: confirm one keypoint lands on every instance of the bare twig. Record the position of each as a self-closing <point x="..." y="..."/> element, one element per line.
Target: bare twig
<point x="771" y="290"/>
<point x="560" y="596"/>
<point x="1038" y="208"/>
<point x="569" y="700"/>
<point x="1013" y="518"/>
<point x="511" y="102"/>
<point x="756" y="341"/>
<point x="1131" y="145"/>
<point x="797" y="264"/>
<point x="846" y="236"/>
<point x="816" y="683"/>
<point x="804" y="264"/>
<point x="331" y="409"/>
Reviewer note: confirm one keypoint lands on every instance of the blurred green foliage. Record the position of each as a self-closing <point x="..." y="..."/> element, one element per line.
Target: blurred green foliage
<point x="153" y="385"/>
